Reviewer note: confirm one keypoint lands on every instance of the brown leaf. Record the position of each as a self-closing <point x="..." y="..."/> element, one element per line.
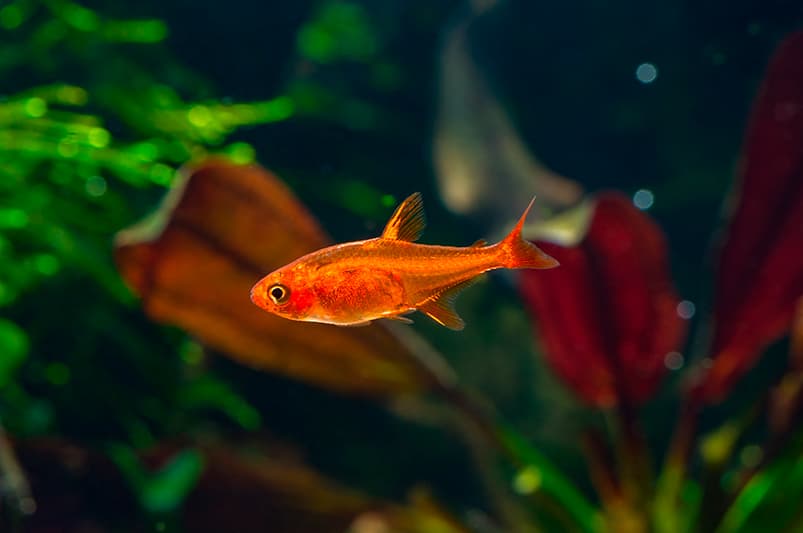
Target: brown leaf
<point x="221" y="229"/>
<point x="247" y="492"/>
<point x="244" y="493"/>
<point x="260" y="490"/>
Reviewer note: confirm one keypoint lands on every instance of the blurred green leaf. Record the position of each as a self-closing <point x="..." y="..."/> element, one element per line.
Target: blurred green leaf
<point x="208" y="392"/>
<point x="165" y="489"/>
<point x="540" y="475"/>
<point x="764" y="503"/>
<point x="168" y="487"/>
<point x="341" y="30"/>
<point x="13" y="350"/>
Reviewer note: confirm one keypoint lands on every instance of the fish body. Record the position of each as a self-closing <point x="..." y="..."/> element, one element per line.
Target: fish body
<point x="389" y="276"/>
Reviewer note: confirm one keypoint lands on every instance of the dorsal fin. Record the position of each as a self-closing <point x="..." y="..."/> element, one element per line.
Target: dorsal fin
<point x="440" y="307"/>
<point x="407" y="221"/>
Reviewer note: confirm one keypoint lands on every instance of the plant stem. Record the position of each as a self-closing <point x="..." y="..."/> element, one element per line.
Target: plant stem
<point x="558" y="497"/>
<point x="481" y="443"/>
<point x="599" y="465"/>
<point x="14" y="487"/>
<point x="778" y="440"/>
<point x="670" y="482"/>
<point x="635" y="461"/>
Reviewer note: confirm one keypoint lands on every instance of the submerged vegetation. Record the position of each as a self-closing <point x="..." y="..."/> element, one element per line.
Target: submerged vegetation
<point x="140" y="390"/>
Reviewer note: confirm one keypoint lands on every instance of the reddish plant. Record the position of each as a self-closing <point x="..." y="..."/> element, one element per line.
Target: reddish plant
<point x="608" y="316"/>
<point x="760" y="275"/>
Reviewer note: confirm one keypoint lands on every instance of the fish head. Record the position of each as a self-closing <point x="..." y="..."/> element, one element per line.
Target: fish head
<point x="285" y="292"/>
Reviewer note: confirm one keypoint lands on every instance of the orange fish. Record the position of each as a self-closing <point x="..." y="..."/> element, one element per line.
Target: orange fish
<point x="354" y="283"/>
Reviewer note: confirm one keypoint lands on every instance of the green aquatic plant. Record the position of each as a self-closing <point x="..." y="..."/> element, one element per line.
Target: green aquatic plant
<point x="72" y="155"/>
<point x="61" y="144"/>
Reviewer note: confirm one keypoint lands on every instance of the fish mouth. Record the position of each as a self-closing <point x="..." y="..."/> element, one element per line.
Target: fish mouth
<point x="255" y="298"/>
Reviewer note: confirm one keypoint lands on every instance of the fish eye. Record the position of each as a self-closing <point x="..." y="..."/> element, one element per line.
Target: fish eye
<point x="279" y="294"/>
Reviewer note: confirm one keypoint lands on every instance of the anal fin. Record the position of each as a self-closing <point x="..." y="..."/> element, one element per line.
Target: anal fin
<point x="440" y="307"/>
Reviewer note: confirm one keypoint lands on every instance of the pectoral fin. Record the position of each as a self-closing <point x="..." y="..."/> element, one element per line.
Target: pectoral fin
<point x="402" y="319"/>
<point x="440" y="307"/>
<point x="356" y="324"/>
<point x="408" y="221"/>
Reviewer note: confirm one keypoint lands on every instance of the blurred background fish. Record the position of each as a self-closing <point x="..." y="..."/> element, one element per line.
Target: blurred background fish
<point x="482" y="164"/>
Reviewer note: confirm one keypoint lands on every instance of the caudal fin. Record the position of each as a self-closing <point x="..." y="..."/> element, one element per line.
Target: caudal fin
<point x="519" y="253"/>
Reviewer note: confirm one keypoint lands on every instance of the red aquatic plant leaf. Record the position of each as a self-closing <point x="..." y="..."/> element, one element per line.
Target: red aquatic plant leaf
<point x="607" y="316"/>
<point x="760" y="273"/>
<point x="222" y="228"/>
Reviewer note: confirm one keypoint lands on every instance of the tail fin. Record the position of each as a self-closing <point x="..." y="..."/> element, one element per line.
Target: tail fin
<point x="519" y="253"/>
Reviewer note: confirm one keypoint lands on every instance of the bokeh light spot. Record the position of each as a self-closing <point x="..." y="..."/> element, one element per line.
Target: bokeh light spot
<point x="95" y="186"/>
<point x="527" y="480"/>
<point x="46" y="264"/>
<point x="57" y="373"/>
<point x="72" y="95"/>
<point x="369" y="522"/>
<point x="199" y="116"/>
<point x="241" y="153"/>
<point x="98" y="137"/>
<point x="388" y="200"/>
<point x="192" y="353"/>
<point x="686" y="309"/>
<point x="10" y="17"/>
<point x="13" y="218"/>
<point x="27" y="505"/>
<point x="643" y="199"/>
<point x="80" y="17"/>
<point x="646" y="73"/>
<point x="673" y="360"/>
<point x="145" y="151"/>
<point x="35" y="107"/>
<point x="751" y="456"/>
<point x="67" y="148"/>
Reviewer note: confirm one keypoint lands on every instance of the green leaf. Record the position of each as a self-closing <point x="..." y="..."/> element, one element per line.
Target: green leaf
<point x="541" y="475"/>
<point x="165" y="489"/>
<point x="208" y="392"/>
<point x="13" y="350"/>
<point x="340" y="30"/>
<point x="764" y="503"/>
